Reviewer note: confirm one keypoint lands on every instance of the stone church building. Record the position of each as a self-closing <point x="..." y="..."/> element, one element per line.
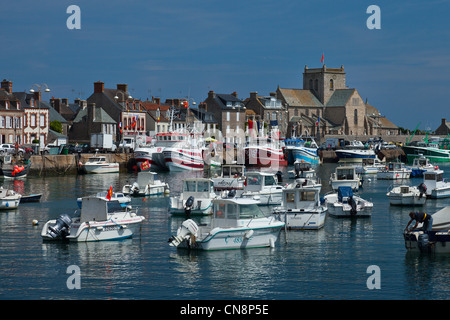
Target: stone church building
<point x="326" y="105"/>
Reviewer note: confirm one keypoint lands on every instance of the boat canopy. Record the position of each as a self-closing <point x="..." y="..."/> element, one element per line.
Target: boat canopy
<point x="344" y="192"/>
<point x="228" y="212"/>
<point x="146" y="177"/>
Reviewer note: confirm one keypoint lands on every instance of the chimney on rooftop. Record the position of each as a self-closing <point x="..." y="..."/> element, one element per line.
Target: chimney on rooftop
<point x="91" y="112"/>
<point x="57" y="105"/>
<point x="211" y="94"/>
<point x="253" y="95"/>
<point x="99" y="87"/>
<point x="122" y="87"/>
<point x="65" y="101"/>
<point x="234" y="94"/>
<point x="7" y="85"/>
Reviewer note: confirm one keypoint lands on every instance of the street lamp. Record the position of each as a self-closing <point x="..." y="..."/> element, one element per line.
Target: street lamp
<point x="39" y="87"/>
<point x="116" y="97"/>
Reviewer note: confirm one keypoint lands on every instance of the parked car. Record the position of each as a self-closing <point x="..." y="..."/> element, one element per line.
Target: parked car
<point x="9" y="148"/>
<point x="26" y="149"/>
<point x="79" y="148"/>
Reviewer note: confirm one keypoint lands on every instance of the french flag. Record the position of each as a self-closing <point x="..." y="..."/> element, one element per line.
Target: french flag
<point x="317" y="122"/>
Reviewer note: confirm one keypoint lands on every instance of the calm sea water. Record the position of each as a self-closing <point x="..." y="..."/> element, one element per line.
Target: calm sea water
<point x="327" y="264"/>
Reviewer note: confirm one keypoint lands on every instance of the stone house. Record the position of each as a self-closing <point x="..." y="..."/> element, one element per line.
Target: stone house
<point x="443" y="129"/>
<point x="126" y="111"/>
<point x="269" y="109"/>
<point x="11" y="115"/>
<point x="89" y="120"/>
<point x="229" y="112"/>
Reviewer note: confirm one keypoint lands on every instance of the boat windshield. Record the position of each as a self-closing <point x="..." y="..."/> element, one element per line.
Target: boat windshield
<point x="250" y="211"/>
<point x="254" y="180"/>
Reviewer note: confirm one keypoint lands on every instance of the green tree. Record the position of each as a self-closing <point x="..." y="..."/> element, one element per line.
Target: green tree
<point x="56" y="126"/>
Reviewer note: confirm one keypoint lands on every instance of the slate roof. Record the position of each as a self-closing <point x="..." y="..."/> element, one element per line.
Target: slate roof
<point x="222" y="99"/>
<point x="300" y="98"/>
<point x="340" y="97"/>
<point x="100" y="116"/>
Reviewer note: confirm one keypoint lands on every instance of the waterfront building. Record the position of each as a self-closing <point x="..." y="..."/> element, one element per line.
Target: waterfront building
<point x="444" y="128"/>
<point x="126" y="111"/>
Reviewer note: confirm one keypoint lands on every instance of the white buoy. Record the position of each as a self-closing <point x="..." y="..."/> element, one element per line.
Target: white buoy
<point x="35" y="222"/>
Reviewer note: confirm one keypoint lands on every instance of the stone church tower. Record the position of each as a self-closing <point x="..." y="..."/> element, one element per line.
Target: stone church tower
<point x="323" y="81"/>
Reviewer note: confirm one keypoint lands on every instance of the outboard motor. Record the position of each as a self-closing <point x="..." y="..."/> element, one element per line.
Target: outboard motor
<point x="423" y="243"/>
<point x="232" y="193"/>
<point x="352" y="203"/>
<point x="279" y="175"/>
<point x="422" y="189"/>
<point x="188" y="228"/>
<point x="61" y="228"/>
<point x="188" y="206"/>
<point x="134" y="188"/>
<point x="297" y="169"/>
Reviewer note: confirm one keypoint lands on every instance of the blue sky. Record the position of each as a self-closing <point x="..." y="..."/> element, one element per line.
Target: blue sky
<point x="179" y="48"/>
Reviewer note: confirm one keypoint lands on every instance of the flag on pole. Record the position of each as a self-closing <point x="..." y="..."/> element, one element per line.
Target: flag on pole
<point x="120" y="126"/>
<point x="317" y="122"/>
<point x="321" y="60"/>
<point x="109" y="194"/>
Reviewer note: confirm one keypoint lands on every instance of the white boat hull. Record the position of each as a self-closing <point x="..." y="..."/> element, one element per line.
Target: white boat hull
<point x="236" y="238"/>
<point x="98" y="231"/>
<point x="344" y="209"/>
<point x="102" y="168"/>
<point x="296" y="219"/>
<point x="6" y="204"/>
<point x="202" y="206"/>
<point x="406" y="196"/>
<point x="180" y="159"/>
<point x="354" y="184"/>
<point x="382" y="175"/>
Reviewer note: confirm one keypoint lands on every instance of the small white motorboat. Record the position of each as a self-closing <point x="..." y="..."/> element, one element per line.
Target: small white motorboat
<point x="434" y="241"/>
<point x="435" y="184"/>
<point x="237" y="223"/>
<point x="262" y="187"/>
<point x="147" y="184"/>
<point x="420" y="165"/>
<point x="9" y="199"/>
<point x="301" y="208"/>
<point x="394" y="171"/>
<point x="99" y="219"/>
<point x="344" y="203"/>
<point x="345" y="176"/>
<point x="99" y="164"/>
<point x="370" y="166"/>
<point x="195" y="199"/>
<point x="407" y="196"/>
<point x="116" y="196"/>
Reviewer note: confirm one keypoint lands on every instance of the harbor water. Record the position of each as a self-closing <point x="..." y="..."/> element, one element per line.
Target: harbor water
<point x="332" y="263"/>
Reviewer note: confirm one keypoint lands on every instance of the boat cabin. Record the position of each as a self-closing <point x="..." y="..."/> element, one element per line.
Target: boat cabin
<point x="168" y="139"/>
<point x="228" y="212"/>
<point x="433" y="179"/>
<point x="421" y="162"/>
<point x="197" y="187"/>
<point x="97" y="159"/>
<point x="233" y="171"/>
<point x="97" y="209"/>
<point x="345" y="173"/>
<point x="300" y="198"/>
<point x="257" y="181"/>
<point x="395" y="166"/>
<point x="344" y="194"/>
<point x="147" y="177"/>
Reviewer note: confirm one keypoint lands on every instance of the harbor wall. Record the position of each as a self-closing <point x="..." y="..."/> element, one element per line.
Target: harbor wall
<point x="69" y="164"/>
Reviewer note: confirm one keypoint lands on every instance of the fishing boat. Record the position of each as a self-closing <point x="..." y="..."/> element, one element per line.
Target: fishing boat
<point x="263" y="187"/>
<point x="147" y="184"/>
<point x="354" y="152"/>
<point x="431" y="150"/>
<point x="436" y="186"/>
<point x="301" y="208"/>
<point x="405" y="195"/>
<point x="435" y="241"/>
<point x="150" y="157"/>
<point x="394" y="171"/>
<point x="185" y="155"/>
<point x="99" y="164"/>
<point x="15" y="171"/>
<point x="123" y="199"/>
<point x="263" y="152"/>
<point x="9" y="199"/>
<point x="305" y="150"/>
<point x="345" y="176"/>
<point x="195" y="199"/>
<point x="344" y="203"/>
<point x="236" y="223"/>
<point x="232" y="177"/>
<point x="98" y="219"/>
